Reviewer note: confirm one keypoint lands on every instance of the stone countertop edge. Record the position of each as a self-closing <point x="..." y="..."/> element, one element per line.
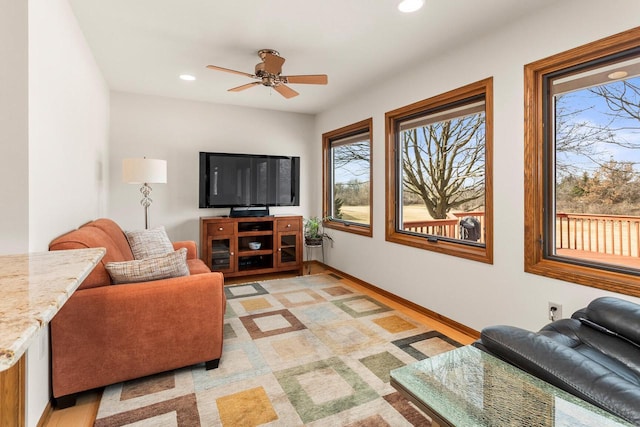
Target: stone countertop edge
<point x="33" y="288"/>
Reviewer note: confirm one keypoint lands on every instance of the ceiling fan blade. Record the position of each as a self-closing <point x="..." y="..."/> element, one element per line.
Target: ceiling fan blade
<point x="311" y="79"/>
<point x="214" y="67"/>
<point x="273" y="63"/>
<point x="243" y="87"/>
<point x="285" y="91"/>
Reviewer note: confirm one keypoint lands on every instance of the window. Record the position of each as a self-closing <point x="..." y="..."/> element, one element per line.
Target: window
<point x="439" y="153"/>
<point x="347" y="177"/>
<point x="582" y="165"/>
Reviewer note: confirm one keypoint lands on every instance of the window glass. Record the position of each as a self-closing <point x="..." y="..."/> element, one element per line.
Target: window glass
<point x="582" y="165"/>
<point x="442" y="173"/>
<point x="347" y="193"/>
<point x="439" y="151"/>
<point x="594" y="176"/>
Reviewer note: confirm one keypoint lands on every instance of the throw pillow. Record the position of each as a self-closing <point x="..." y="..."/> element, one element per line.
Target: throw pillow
<point x="173" y="264"/>
<point x="149" y="243"/>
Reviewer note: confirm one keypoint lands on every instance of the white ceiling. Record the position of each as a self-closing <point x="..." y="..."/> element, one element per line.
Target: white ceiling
<point x="142" y="46"/>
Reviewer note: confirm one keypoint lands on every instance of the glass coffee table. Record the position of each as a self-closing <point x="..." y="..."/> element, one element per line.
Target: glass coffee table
<point x="468" y="387"/>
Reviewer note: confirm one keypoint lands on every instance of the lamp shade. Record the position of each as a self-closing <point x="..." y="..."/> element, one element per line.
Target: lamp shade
<point x="141" y="171"/>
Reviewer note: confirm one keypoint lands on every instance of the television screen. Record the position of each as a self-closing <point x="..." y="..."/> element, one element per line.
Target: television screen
<point x="233" y="180"/>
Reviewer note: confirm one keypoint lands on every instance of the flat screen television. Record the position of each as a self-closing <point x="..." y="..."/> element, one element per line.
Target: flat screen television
<point x="236" y="180"/>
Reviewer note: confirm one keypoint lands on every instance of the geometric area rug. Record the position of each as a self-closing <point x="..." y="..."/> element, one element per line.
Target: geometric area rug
<point x="309" y="350"/>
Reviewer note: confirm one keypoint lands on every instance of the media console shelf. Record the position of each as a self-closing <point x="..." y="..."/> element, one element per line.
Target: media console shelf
<point x="224" y="244"/>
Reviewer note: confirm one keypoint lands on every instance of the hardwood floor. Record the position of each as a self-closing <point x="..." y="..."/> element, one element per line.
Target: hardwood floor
<point x="83" y="414"/>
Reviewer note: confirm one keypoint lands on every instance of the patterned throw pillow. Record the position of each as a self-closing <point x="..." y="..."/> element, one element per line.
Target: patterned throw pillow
<point x="173" y="264"/>
<point x="149" y="243"/>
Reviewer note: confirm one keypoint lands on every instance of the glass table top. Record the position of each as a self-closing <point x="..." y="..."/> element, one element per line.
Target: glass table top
<point x="468" y="387"/>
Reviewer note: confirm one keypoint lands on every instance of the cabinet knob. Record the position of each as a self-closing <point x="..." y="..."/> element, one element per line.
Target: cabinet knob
<point x="288" y="225"/>
<point x="220" y="228"/>
<point x="279" y="249"/>
<point x="232" y="253"/>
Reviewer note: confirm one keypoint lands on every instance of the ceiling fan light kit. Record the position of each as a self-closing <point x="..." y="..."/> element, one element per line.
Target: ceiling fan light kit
<point x="268" y="72"/>
<point x="408" y="6"/>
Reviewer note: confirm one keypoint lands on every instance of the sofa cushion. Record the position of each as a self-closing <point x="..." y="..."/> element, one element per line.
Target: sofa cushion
<point x="149" y="243"/>
<point x="91" y="237"/>
<point x="597" y="380"/>
<point x="173" y="264"/>
<point x="116" y="234"/>
<point x="598" y="346"/>
<point x="616" y="315"/>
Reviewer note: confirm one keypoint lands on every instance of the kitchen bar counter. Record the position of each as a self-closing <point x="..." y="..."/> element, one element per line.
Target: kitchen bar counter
<point x="33" y="287"/>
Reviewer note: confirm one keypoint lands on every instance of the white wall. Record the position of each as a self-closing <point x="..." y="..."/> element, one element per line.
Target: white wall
<point x="177" y="130"/>
<point x="14" y="143"/>
<point x="68" y="125"/>
<point x="473" y="293"/>
<point x="68" y="150"/>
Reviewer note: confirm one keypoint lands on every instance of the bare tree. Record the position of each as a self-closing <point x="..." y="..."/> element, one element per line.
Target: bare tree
<point x="443" y="163"/>
<point x="578" y="137"/>
<point x="611" y="185"/>
<point x="354" y="159"/>
<point x="349" y="155"/>
<point x="623" y="98"/>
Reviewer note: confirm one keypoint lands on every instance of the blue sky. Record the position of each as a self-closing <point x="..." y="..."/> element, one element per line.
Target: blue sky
<point x="597" y="113"/>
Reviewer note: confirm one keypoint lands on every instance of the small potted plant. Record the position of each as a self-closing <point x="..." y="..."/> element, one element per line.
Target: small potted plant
<point x="313" y="233"/>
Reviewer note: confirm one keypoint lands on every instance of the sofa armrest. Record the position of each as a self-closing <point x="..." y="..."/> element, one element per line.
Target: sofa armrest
<point x="192" y="249"/>
<point x="565" y="368"/>
<point x="116" y="333"/>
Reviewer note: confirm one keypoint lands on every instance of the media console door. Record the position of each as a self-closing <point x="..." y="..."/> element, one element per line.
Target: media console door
<point x="220" y="244"/>
<point x="245" y="246"/>
<point x="289" y="242"/>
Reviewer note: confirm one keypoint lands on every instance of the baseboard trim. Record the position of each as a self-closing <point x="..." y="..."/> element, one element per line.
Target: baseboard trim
<point x="46" y="414"/>
<point x="405" y="302"/>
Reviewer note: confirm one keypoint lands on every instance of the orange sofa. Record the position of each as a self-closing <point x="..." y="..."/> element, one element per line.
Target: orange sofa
<point x="105" y="333"/>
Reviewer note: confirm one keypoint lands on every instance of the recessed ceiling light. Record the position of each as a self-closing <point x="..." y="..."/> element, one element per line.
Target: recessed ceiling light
<point x="187" y="77"/>
<point x="408" y="6"/>
<point x="618" y="75"/>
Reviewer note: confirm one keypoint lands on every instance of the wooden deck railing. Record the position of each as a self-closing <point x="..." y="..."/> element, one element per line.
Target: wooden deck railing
<point x="449" y="227"/>
<point x="605" y="234"/>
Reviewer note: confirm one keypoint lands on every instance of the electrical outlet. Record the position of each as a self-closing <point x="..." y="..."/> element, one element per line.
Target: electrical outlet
<point x="554" y="311"/>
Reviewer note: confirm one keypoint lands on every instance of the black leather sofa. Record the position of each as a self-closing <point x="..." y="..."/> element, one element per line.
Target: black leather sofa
<point x="594" y="355"/>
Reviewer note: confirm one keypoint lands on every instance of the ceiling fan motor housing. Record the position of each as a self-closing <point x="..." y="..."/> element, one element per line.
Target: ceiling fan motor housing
<point x="270" y="81"/>
<point x="260" y="69"/>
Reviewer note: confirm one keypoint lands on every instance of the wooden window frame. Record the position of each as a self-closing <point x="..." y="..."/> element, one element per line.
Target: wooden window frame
<point x="343" y="132"/>
<point x="535" y="261"/>
<point x="454" y="248"/>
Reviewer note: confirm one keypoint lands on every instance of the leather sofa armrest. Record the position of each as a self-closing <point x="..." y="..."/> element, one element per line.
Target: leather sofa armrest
<point x="192" y="249"/>
<point x="565" y="368"/>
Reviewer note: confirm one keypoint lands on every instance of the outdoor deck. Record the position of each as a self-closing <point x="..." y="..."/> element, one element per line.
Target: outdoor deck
<point x="627" y="261"/>
<point x="610" y="239"/>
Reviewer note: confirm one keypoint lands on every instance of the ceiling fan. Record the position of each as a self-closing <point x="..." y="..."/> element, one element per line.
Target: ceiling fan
<point x="268" y="73"/>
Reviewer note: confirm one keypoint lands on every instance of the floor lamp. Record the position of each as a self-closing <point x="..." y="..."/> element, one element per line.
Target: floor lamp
<point x="144" y="171"/>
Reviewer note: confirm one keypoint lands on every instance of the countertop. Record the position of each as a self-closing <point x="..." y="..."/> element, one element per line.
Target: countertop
<point x="33" y="287"/>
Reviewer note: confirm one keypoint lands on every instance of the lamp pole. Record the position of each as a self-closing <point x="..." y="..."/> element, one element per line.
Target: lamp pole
<point x="146" y="202"/>
<point x="144" y="171"/>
